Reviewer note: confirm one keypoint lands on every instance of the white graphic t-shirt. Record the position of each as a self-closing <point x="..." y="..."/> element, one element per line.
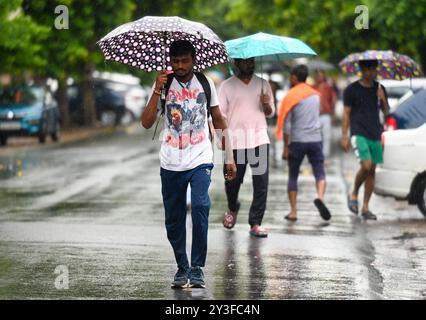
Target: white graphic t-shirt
<point x="185" y="139"/>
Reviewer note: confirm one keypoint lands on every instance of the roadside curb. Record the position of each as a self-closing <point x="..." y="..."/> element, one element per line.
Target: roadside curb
<point x="67" y="137"/>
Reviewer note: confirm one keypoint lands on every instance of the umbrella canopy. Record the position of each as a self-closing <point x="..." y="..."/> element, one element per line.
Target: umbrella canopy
<point x="391" y="64"/>
<point x="274" y="66"/>
<point x="145" y="43"/>
<point x="317" y="64"/>
<point x="268" y="46"/>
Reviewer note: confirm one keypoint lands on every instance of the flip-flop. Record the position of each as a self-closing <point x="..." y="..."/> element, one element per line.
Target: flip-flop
<point x="323" y="210"/>
<point x="288" y="217"/>
<point x="353" y="205"/>
<point x="368" y="215"/>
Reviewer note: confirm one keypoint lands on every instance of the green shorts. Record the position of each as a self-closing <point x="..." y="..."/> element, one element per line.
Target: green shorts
<point x="366" y="149"/>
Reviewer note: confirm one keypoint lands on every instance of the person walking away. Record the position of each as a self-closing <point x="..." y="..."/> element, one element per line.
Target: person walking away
<point x="327" y="102"/>
<point x="245" y="101"/>
<point x="299" y="116"/>
<point x="363" y="100"/>
<point x="186" y="157"/>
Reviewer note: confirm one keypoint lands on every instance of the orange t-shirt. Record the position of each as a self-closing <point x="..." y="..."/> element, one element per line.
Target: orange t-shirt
<point x="327" y="94"/>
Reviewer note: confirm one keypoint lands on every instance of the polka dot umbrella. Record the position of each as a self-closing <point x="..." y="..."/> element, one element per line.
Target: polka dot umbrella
<point x="145" y="43"/>
<point x="391" y="64"/>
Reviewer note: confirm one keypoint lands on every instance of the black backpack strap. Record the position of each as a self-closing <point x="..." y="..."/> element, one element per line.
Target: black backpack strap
<point x="170" y="78"/>
<point x="206" y="87"/>
<point x="164" y="93"/>
<point x="208" y="91"/>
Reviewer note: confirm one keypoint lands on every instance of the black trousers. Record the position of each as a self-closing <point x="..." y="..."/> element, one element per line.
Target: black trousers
<point x="258" y="159"/>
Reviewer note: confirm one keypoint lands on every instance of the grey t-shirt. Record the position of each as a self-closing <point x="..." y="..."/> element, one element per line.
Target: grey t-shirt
<point x="303" y="123"/>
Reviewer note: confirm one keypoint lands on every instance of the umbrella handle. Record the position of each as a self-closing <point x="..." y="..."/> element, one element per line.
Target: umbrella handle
<point x="163" y="92"/>
<point x="261" y="75"/>
<point x="163" y="88"/>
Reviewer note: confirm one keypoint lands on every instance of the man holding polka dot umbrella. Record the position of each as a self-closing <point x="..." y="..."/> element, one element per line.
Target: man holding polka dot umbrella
<point x="188" y="98"/>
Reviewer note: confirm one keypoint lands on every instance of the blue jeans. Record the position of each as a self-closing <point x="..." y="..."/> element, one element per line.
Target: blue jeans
<point x="174" y="186"/>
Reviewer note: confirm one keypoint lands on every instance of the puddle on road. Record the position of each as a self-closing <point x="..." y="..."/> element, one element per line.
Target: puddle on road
<point x="91" y="208"/>
<point x="12" y="168"/>
<point x="408" y="236"/>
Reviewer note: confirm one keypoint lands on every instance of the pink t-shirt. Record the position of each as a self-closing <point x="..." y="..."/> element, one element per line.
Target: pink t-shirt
<point x="240" y="104"/>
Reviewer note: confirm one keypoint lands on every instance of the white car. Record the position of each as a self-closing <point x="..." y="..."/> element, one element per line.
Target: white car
<point x="397" y="89"/>
<point x="403" y="172"/>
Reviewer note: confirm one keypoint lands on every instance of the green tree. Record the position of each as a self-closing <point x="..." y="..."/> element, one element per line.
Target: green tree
<point x="327" y="26"/>
<point x="20" y="38"/>
<point x="402" y="26"/>
<point x="73" y="52"/>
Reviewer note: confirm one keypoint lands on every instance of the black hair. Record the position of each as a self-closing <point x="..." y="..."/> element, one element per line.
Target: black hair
<point x="301" y="72"/>
<point x="368" y="63"/>
<point x="181" y="48"/>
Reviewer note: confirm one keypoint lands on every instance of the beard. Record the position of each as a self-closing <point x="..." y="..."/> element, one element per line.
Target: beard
<point x="247" y="72"/>
<point x="182" y="74"/>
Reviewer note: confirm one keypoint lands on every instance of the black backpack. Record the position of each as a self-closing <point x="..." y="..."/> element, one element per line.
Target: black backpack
<point x="206" y="87"/>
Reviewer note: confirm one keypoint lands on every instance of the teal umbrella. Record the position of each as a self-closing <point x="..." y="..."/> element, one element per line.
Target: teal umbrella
<point x="268" y="46"/>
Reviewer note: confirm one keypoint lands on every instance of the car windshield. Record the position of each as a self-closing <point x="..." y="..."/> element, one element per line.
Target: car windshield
<point x="15" y="96"/>
<point x="404" y="98"/>
<point x="396" y="92"/>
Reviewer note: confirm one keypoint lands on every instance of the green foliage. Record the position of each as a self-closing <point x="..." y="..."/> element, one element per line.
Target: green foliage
<point x="328" y="25"/>
<point x="20" y="40"/>
<point x="29" y="41"/>
<point x="69" y="50"/>
<point x="402" y="25"/>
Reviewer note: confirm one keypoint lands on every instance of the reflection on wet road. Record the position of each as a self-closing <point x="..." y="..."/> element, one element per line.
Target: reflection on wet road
<point x="96" y="208"/>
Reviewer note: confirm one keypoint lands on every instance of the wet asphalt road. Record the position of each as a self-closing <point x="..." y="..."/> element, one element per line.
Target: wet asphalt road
<point x="93" y="210"/>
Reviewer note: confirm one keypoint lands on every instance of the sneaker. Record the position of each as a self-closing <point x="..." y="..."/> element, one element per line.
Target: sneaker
<point x="368" y="215"/>
<point x="196" y="278"/>
<point x="181" y="279"/>
<point x="258" y="231"/>
<point x="230" y="218"/>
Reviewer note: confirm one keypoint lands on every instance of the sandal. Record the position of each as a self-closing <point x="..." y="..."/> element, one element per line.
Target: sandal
<point x="230" y="218"/>
<point x="258" y="231"/>
<point x="368" y="215"/>
<point x="352" y="205"/>
<point x="290" y="218"/>
<point x="323" y="210"/>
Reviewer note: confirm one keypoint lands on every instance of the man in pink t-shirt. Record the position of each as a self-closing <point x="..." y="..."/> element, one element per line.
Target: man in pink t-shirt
<point x="245" y="101"/>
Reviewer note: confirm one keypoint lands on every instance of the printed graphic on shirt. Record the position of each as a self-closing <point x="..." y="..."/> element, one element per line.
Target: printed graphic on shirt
<point x="186" y="114"/>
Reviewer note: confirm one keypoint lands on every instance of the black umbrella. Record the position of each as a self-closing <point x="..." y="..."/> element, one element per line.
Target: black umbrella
<point x="145" y="43"/>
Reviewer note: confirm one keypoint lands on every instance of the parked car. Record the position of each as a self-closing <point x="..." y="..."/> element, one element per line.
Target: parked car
<point x="397" y="89"/>
<point x="109" y="103"/>
<point x="134" y="94"/>
<point x="403" y="172"/>
<point x="409" y="113"/>
<point x="115" y="102"/>
<point x="28" y="111"/>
